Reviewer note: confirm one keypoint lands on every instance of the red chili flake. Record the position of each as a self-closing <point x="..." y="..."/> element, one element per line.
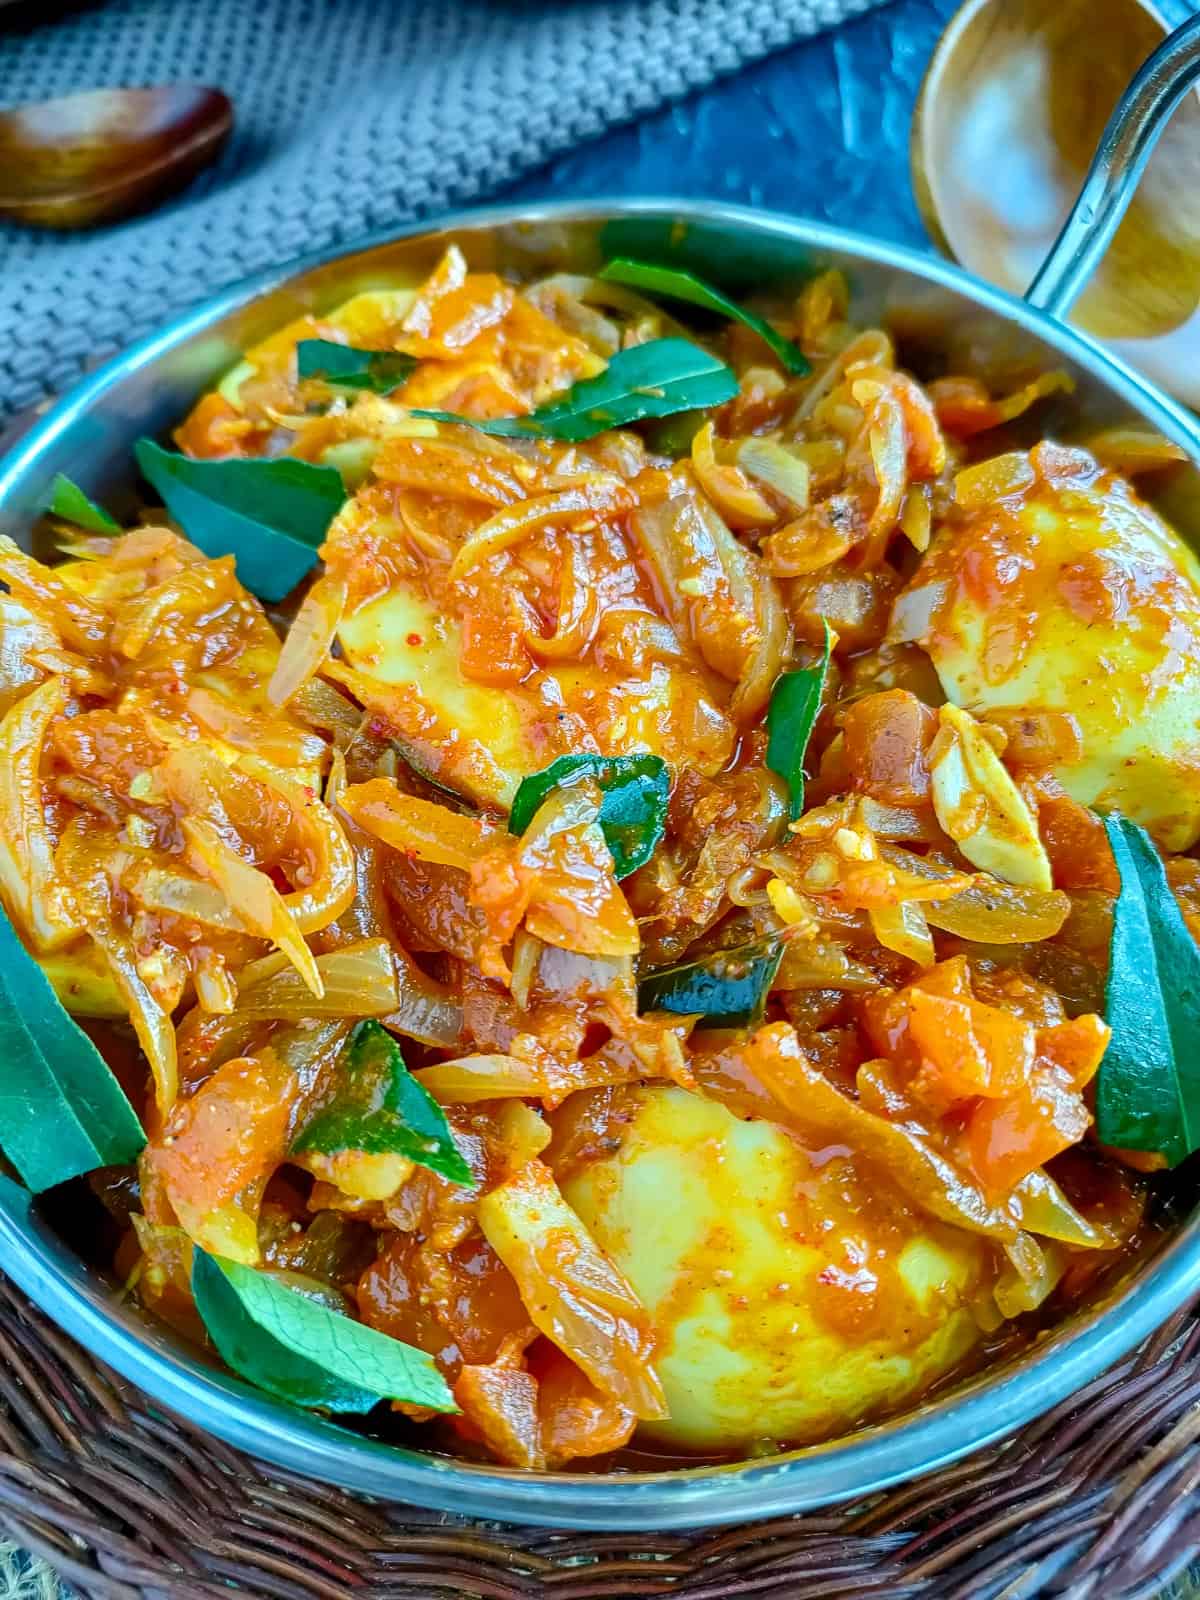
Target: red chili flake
<point x="310" y="791"/>
<point x="415" y="639"/>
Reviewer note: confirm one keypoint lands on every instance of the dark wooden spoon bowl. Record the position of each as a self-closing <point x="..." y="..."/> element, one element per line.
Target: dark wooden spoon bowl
<point x="93" y="157"/>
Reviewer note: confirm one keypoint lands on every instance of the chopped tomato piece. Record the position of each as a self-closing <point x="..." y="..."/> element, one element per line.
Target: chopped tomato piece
<point x="1077" y="1047"/>
<point x="577" y="1418"/>
<point x="1006" y="1140"/>
<point x="215" y="428"/>
<point x="501" y="1402"/>
<point x="492" y="649"/>
<point x="887" y="737"/>
<point x="229" y="1137"/>
<point x="1075" y="841"/>
<point x="966" y="1048"/>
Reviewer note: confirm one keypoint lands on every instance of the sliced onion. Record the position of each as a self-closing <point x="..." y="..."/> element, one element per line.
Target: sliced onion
<point x="195" y="590"/>
<point x="775" y="465"/>
<point x="888" y="445"/>
<point x="572" y="1292"/>
<point x="273" y="739"/>
<point x="419" y="827"/>
<point x="23" y="635"/>
<point x="322" y="706"/>
<point x="358" y="980"/>
<point x="153" y="1026"/>
<point x="526" y="952"/>
<point x="1134" y="450"/>
<point x="254" y="898"/>
<point x="207" y="1041"/>
<point x="309" y="639"/>
<point x="35" y="894"/>
<point x="653" y="526"/>
<point x="734" y="496"/>
<point x="92" y="865"/>
<point x="1018" y="1290"/>
<point x="992" y="912"/>
<point x="810" y="1104"/>
<point x="754" y="687"/>
<point x="575" y="902"/>
<point x="568" y="975"/>
<point x="215" y="989"/>
<point x="980" y="486"/>
<point x="904" y="929"/>
<point x="916" y="519"/>
<point x="321" y="902"/>
<point x="578" y="609"/>
<point x="822" y="964"/>
<point x="469" y="1079"/>
<point x="918" y="826"/>
<point x="169" y="892"/>
<point x="424" y="1011"/>
<point x="602" y="292"/>
<point x="1044" y="1209"/>
<point x="458" y="467"/>
<point x="597" y="493"/>
<point x="871" y="348"/>
<point x="79" y="624"/>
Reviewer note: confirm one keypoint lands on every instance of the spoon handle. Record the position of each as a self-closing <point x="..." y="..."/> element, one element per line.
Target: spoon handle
<point x="1116" y="170"/>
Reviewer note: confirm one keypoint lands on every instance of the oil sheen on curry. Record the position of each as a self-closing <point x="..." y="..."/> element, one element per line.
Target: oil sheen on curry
<point x="629" y="929"/>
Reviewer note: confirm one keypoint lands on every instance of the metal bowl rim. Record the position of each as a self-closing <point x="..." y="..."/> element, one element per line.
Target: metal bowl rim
<point x="872" y="1459"/>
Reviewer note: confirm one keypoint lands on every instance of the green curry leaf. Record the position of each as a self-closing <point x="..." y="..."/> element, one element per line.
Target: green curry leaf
<point x="791" y="715"/>
<point x="633" y="808"/>
<point x="381" y="1109"/>
<point x="675" y="284"/>
<point x="271" y="514"/>
<point x="727" y="989"/>
<point x="344" y="367"/>
<point x="1148" y="1085"/>
<point x="299" y="1350"/>
<point x="62" y="1112"/>
<point x="648" y="380"/>
<point x="68" y="501"/>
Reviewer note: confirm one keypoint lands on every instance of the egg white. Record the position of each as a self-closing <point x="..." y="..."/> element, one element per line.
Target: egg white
<point x="1102" y="622"/>
<point x="749" y="1255"/>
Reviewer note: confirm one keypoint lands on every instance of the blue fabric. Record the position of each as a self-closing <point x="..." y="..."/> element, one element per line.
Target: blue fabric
<point x="820" y="130"/>
<point x="352" y="114"/>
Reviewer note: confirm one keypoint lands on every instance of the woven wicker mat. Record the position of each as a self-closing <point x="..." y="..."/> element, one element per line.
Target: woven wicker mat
<point x="1096" y="1501"/>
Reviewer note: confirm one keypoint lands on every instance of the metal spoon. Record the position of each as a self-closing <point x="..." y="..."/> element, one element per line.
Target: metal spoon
<point x="1015" y="100"/>
<point x="93" y="157"/>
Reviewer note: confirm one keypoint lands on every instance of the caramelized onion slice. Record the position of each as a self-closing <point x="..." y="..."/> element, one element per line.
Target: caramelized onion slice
<point x="471" y="1079"/>
<point x="322" y="901"/>
<point x="418" y="827"/>
<point x="358" y="980"/>
<point x="309" y="639"/>
<point x="989" y="911"/>
<point x="572" y="1292"/>
<point x="1045" y="1210"/>
<point x="806" y="1102"/>
<point x="34" y="893"/>
<point x="254" y="898"/>
<point x="425" y="1011"/>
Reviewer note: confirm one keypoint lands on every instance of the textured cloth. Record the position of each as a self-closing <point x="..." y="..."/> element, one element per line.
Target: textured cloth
<point x="351" y="115"/>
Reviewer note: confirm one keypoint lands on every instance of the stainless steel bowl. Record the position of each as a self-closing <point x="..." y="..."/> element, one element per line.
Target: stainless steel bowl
<point x="944" y="319"/>
<point x="943" y="316"/>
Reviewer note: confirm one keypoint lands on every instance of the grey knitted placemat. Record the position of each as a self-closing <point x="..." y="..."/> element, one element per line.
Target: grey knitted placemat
<point x="351" y="114"/>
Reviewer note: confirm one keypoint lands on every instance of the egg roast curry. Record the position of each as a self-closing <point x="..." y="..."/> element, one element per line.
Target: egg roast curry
<point x="230" y="832"/>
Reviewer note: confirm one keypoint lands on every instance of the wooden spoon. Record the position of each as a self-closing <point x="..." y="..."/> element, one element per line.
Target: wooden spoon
<point x="88" y="158"/>
<point x="1010" y="112"/>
